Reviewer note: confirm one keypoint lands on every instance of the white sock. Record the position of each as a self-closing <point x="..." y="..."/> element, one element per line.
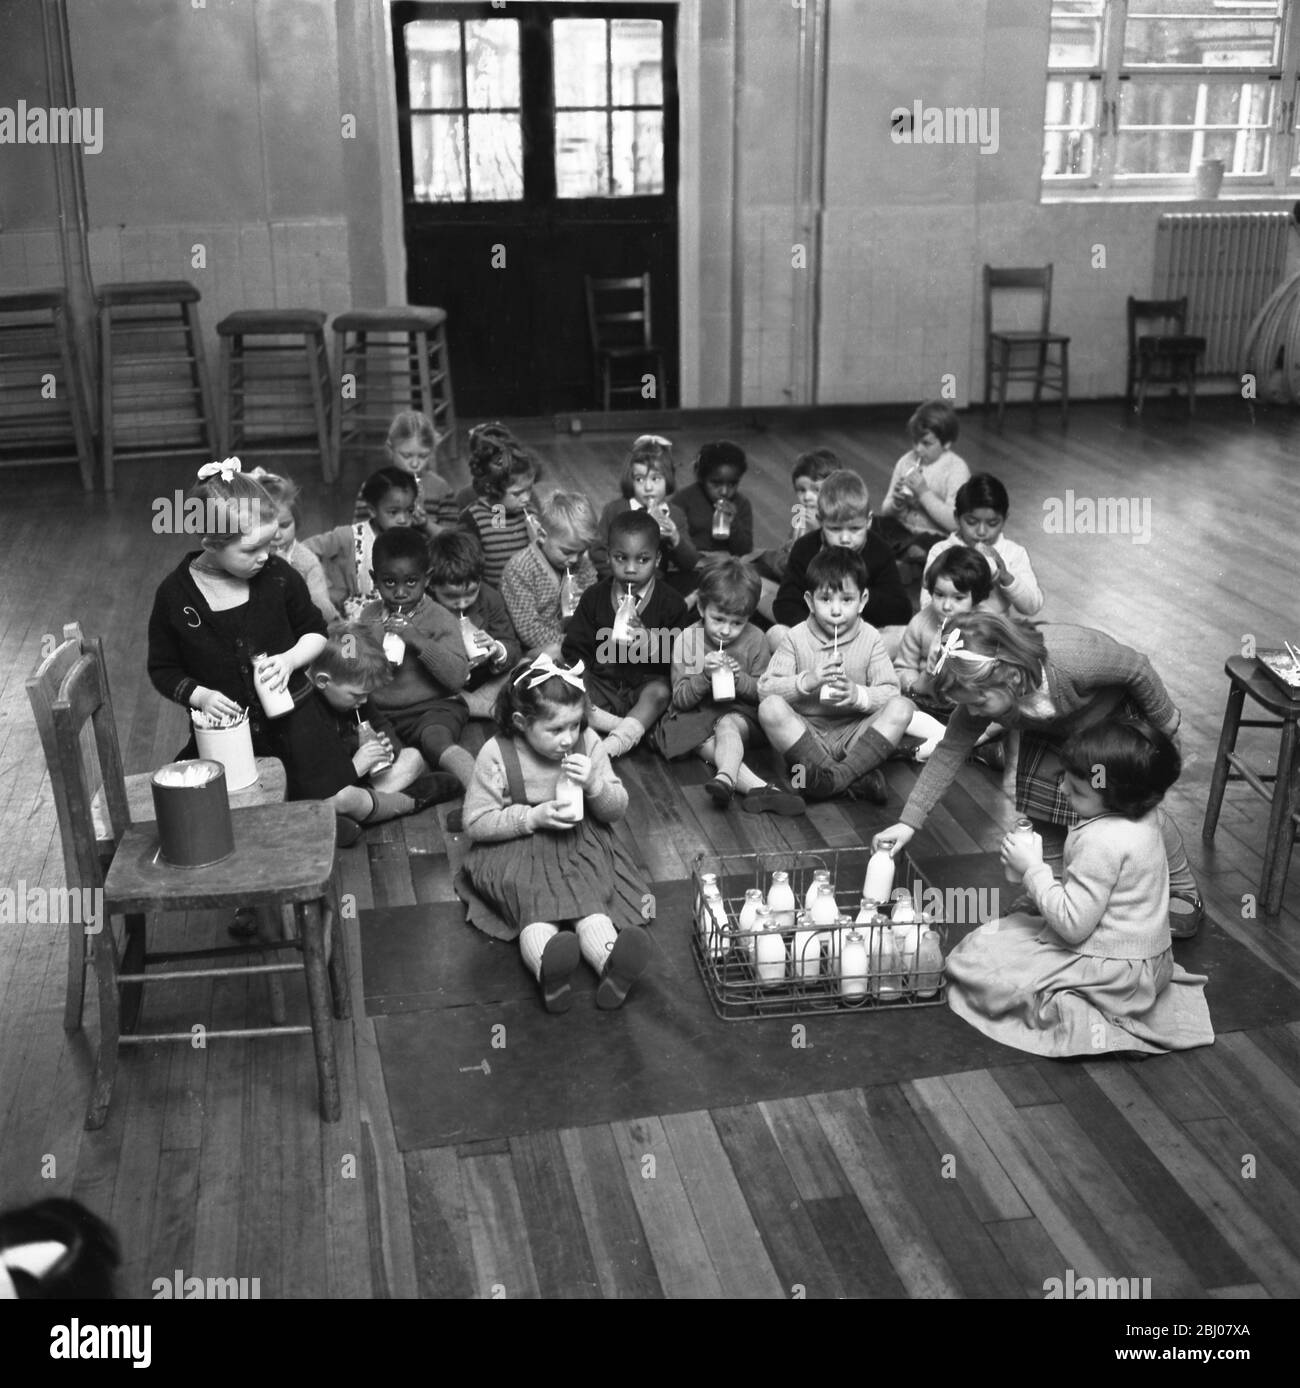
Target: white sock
<point x="623" y="738"/>
<point x="533" y="939"/>
<point x="929" y="730"/>
<point x="596" y="937"/>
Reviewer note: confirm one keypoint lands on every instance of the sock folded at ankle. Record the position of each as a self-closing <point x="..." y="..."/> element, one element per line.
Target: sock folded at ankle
<point x="623" y="738"/>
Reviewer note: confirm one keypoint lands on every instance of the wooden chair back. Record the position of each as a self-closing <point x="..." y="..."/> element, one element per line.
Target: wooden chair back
<point x="1025" y="279"/>
<point x="1168" y="317"/>
<point x="618" y="312"/>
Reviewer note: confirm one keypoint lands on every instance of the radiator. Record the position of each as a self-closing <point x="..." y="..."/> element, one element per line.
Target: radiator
<point x="1227" y="263"/>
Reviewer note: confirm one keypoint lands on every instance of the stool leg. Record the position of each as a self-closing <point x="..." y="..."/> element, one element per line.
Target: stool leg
<point x="420" y="346"/>
<point x="1227" y="743"/>
<point x="314" y="345"/>
<point x="106" y="395"/>
<point x="336" y="417"/>
<point x="76" y="403"/>
<point x="318" y="1001"/>
<point x="337" y="954"/>
<point x="448" y="396"/>
<point x="270" y="926"/>
<point x="199" y="374"/>
<point x="1281" y="833"/>
<point x="225" y="405"/>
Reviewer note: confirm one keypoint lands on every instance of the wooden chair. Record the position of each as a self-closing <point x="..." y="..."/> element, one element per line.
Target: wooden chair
<point x="1001" y="345"/>
<point x="1171" y="347"/>
<point x="618" y="318"/>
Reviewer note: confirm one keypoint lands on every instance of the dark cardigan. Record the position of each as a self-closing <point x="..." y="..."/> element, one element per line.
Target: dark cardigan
<point x="887" y="602"/>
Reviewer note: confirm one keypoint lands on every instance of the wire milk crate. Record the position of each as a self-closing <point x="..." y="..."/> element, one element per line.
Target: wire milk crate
<point x="810" y="968"/>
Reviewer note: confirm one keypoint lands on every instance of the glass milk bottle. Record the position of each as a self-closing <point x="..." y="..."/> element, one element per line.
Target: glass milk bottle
<point x="724" y="682"/>
<point x="822" y="875"/>
<point x="367" y="734"/>
<point x="568" y="595"/>
<point x="907" y="929"/>
<point x="713" y="923"/>
<point x="570" y="796"/>
<point x="827" y="694"/>
<point x="780" y="901"/>
<point x="1022" y="828"/>
<point x="468" y="631"/>
<point x="879" y="881"/>
<point x="721" y="522"/>
<point x="769" y="947"/>
<point x="930" y="966"/>
<point x="818" y="926"/>
<point x="623" y="618"/>
<point x="887" y="981"/>
<point x="275" y="702"/>
<point x="853" y="966"/>
<point x="394" y="648"/>
<point x="748" y="922"/>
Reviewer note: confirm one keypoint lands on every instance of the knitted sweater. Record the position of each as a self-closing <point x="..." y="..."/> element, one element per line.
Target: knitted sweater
<point x="312" y="572"/>
<point x="489" y="614"/>
<point x="502" y="534"/>
<point x="1022" y="597"/>
<point x="439" y="670"/>
<point x="531" y="588"/>
<point x="698" y="509"/>
<point x="347" y="575"/>
<point x="662" y="615"/>
<point x="887" y="602"/>
<point x="806" y="646"/>
<point x="693" y="687"/>
<point x="489" y="814"/>
<point x="945" y="476"/>
<point x="682" y="556"/>
<point x="1087" y="675"/>
<point x="1113" y="899"/>
<point x="916" y="648"/>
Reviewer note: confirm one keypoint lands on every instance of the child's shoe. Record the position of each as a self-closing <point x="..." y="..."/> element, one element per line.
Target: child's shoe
<point x="627" y="961"/>
<point x="456" y="821"/>
<point x="870" y="787"/>
<point x="992" y="754"/>
<point x="433" y="789"/>
<point x="773" y="800"/>
<point x="926" y="750"/>
<point x="346" y="831"/>
<point x="559" y="959"/>
<point x="720" y="790"/>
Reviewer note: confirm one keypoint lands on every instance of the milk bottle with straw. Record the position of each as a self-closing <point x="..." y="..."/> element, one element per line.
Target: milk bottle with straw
<point x="724" y="682"/>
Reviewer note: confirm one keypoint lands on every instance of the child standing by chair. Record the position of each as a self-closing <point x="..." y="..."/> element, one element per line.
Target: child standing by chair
<point x="564" y="886"/>
<point x="623" y="632"/>
<point x="982" y="506"/>
<point x="411" y="446"/>
<point x="456" y="581"/>
<point x="422" y="704"/>
<point x="533" y="584"/>
<point x="346" y="551"/>
<point x="503" y="480"/>
<point x="719" y="520"/>
<point x="648" y="480"/>
<point x="918" y="509"/>
<point x="1091" y="969"/>
<point x="716" y="729"/>
<point x="830" y="701"/>
<point x="227" y="603"/>
<point x="285" y="492"/>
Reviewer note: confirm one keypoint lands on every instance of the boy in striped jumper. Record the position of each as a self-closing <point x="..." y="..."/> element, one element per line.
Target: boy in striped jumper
<point x="830" y="701"/>
<point x="534" y="578"/>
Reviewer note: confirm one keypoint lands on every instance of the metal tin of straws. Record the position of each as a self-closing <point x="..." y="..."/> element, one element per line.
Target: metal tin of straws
<point x="192" y="808"/>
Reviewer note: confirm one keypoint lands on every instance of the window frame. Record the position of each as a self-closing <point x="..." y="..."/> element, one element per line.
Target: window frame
<point x="1112" y="78"/>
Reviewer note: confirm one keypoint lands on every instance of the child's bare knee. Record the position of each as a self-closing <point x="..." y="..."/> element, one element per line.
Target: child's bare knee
<point x="773" y="711"/>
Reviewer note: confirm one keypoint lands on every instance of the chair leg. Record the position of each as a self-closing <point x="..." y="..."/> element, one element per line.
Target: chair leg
<point x="1281" y="831"/>
<point x="1191" y="390"/>
<point x="1142" y="388"/>
<point x="1004" y="365"/>
<point x="318" y="1001"/>
<point x="133" y="956"/>
<point x="78" y="958"/>
<point x="106" y="394"/>
<point x="1038" y="378"/>
<point x="1227" y="743"/>
<point x="1065" y="384"/>
<point x="104" y="955"/>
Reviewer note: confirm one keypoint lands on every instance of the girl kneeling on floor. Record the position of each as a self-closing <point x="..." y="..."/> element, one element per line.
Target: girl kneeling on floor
<point x="1092" y="970"/>
<point x="541" y="869"/>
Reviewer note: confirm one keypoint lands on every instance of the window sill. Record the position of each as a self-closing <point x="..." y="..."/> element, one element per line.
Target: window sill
<point x="1271" y="201"/>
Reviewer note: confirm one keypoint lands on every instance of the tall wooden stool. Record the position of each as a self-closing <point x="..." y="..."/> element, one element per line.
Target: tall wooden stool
<point x="390" y="360"/>
<point x="154" y="384"/>
<point x="273" y="389"/>
<point x="43" y="403"/>
<point x="1247" y="677"/>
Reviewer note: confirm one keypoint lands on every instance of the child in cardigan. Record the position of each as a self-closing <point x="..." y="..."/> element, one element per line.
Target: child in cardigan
<point x="422" y="704"/>
<point x="713" y="500"/>
<point x="844" y="509"/>
<point x="718" y="732"/>
<point x="229" y="601"/>
<point x="285" y="492"/>
<point x="503" y="479"/>
<point x="623" y="632"/>
<point x="648" y="480"/>
<point x="918" y="509"/>
<point x="958" y="581"/>
<point x="1091" y="969"/>
<point x="564" y="886"/>
<point x="532" y="582"/>
<point x="982" y="506"/>
<point x="456" y="581"/>
<point x="345" y="552"/>
<point x="830" y="701"/>
<point x="411" y="446"/>
<point x="350" y="668"/>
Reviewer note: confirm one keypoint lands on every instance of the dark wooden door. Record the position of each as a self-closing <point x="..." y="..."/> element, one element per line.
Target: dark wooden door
<point x="539" y="146"/>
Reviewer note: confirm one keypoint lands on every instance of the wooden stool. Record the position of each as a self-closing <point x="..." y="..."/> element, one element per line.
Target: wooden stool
<point x="153" y="374"/>
<point x="284" y="855"/>
<point x="274" y="384"/>
<point x="43" y="405"/>
<point x="1248" y="677"/>
<point x="390" y="360"/>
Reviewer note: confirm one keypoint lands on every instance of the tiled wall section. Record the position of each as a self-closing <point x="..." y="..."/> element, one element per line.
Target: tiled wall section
<point x="297" y="264"/>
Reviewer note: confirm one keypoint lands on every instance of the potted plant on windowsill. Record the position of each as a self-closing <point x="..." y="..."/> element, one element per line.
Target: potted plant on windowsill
<point x="1209" y="178"/>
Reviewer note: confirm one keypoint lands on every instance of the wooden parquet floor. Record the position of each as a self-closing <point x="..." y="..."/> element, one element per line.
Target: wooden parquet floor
<point x="983" y="1183"/>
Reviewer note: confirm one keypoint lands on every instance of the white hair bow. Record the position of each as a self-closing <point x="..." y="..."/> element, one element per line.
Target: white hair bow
<point x="544" y="667"/>
<point x="35" y="1259"/>
<point x="953" y="649"/>
<point x="226" y="468"/>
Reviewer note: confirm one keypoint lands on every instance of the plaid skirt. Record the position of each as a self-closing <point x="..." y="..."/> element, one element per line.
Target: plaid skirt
<point x="1038" y="792"/>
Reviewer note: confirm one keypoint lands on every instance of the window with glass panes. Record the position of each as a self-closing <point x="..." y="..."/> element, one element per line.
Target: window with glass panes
<point x="1141" y="92"/>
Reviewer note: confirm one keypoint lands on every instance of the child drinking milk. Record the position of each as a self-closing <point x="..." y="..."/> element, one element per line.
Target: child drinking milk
<point x="1093" y="969"/>
<point x="346" y="551"/>
<point x="554" y="878"/>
